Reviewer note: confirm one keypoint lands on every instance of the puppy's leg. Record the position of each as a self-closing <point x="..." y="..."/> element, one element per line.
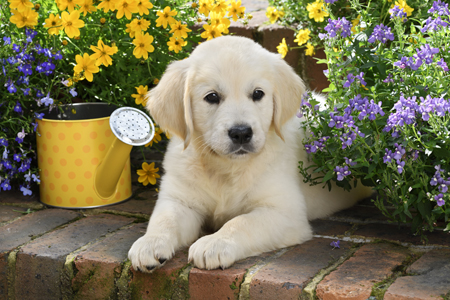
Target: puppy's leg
<point x="171" y="226"/>
<point x="263" y="229"/>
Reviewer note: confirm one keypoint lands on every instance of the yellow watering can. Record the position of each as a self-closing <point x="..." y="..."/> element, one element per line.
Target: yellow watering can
<point x="84" y="153"/>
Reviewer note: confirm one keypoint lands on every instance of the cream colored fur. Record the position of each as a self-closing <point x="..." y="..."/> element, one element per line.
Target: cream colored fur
<point x="254" y="202"/>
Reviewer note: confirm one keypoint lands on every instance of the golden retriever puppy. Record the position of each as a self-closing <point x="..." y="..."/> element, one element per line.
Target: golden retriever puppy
<point x="232" y="163"/>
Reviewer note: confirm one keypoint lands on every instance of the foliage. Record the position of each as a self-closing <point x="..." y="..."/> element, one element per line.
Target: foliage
<point x="55" y="52"/>
<point x="308" y="18"/>
<point x="387" y="120"/>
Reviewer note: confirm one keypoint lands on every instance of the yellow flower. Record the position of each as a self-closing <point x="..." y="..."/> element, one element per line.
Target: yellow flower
<point x="144" y="6"/>
<point x="355" y="23"/>
<point x="194" y="5"/>
<point x="282" y="48"/>
<point x="107" y="5"/>
<point x="88" y="7"/>
<point x="28" y="18"/>
<point x="69" y="4"/>
<point x="165" y="17"/>
<point x="148" y="174"/>
<point x="204" y="7"/>
<point x="219" y="6"/>
<point x="20" y="5"/>
<point x="302" y="36"/>
<point x="132" y="33"/>
<point x="139" y="25"/>
<point x="403" y="5"/>
<point x="273" y="14"/>
<point x="126" y="7"/>
<point x="235" y="10"/>
<point x="102" y="21"/>
<point x="102" y="53"/>
<point x="143" y="45"/>
<point x="64" y="42"/>
<point x="212" y="31"/>
<point x="309" y="50"/>
<point x="85" y="65"/>
<point x="53" y="23"/>
<point x="155" y="81"/>
<point x="140" y="96"/>
<point x="176" y="44"/>
<point x="71" y="23"/>
<point x="219" y="19"/>
<point x="179" y="30"/>
<point x="156" y="138"/>
<point x="316" y="11"/>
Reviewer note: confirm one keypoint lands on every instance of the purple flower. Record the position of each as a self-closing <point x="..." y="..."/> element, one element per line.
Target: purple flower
<point x="349" y="162"/>
<point x="388" y="156"/>
<point x="439" y="199"/>
<point x="351" y="78"/>
<point x="397" y="12"/>
<point x="347" y="138"/>
<point x="342" y="172"/>
<point x="436" y="106"/>
<point x="337" y="27"/>
<point x="18" y="107"/>
<point x="5" y="185"/>
<point x="434" y="24"/>
<point x="400" y="166"/>
<point x="3" y="142"/>
<point x="399" y="152"/>
<point x="25" y="69"/>
<point x="405" y="114"/>
<point x="7" y="40"/>
<point x="439" y="8"/>
<point x="39" y="116"/>
<point x="442" y="64"/>
<point x="388" y="79"/>
<point x="426" y="53"/>
<point x="73" y="92"/>
<point x="339" y="121"/>
<point x="318" y="145"/>
<point x="16" y="48"/>
<point x="36" y="178"/>
<point x="335" y="244"/>
<point x="381" y="33"/>
<point x="11" y="87"/>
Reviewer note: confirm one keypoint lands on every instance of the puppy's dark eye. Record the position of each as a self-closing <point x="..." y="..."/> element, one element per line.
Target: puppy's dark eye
<point x="257" y="95"/>
<point x="212" y="98"/>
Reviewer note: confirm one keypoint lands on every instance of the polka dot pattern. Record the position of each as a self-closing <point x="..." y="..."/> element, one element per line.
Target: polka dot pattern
<point x="68" y="155"/>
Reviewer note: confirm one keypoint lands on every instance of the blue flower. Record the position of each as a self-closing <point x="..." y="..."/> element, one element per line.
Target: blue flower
<point x="3" y="142"/>
<point x="35" y="178"/>
<point x="439" y="199"/>
<point x="47" y="100"/>
<point x="39" y="116"/>
<point x="18" y="108"/>
<point x="6" y="186"/>
<point x="74" y="93"/>
<point x="6" y="40"/>
<point x="16" y="48"/>
<point x="335" y="244"/>
<point x="381" y="33"/>
<point x="11" y="87"/>
<point x="25" y="190"/>
<point x="342" y="172"/>
<point x="17" y="157"/>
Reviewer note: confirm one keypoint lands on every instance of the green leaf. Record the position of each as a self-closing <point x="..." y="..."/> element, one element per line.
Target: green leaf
<point x="328" y="176"/>
<point x="424" y="208"/>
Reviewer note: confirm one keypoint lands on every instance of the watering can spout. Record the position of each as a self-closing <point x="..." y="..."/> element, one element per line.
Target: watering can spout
<point x="131" y="127"/>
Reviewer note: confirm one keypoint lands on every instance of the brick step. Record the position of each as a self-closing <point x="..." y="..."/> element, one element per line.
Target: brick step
<point x="59" y="253"/>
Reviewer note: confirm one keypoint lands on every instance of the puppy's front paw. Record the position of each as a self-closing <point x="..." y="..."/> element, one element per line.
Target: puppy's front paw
<point x="151" y="252"/>
<point x="212" y="251"/>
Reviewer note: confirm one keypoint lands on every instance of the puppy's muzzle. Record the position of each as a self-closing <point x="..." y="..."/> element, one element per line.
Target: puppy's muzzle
<point x="240" y="134"/>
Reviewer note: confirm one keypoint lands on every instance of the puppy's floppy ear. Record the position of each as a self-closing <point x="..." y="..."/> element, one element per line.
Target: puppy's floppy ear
<point x="169" y="102"/>
<point x="288" y="91"/>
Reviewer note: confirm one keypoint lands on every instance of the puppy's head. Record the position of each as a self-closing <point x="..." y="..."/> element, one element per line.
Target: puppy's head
<point x="226" y="97"/>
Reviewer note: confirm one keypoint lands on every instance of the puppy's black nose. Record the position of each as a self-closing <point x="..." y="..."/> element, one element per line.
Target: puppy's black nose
<point x="241" y="134"/>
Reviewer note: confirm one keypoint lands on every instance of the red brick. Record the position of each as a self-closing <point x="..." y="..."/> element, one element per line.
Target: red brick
<point x="221" y="284"/>
<point x="132" y="206"/>
<point x="316" y="78"/>
<point x="355" y="278"/>
<point x="9" y="213"/>
<point x="23" y="230"/>
<point x="40" y="263"/>
<point x="429" y="278"/>
<point x="359" y="213"/>
<point x="285" y="277"/>
<point x="330" y="228"/>
<point x="160" y="283"/>
<point x="402" y="234"/>
<point x="99" y="265"/>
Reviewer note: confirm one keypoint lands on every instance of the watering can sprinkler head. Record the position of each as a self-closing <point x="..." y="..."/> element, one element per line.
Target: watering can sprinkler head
<point x="132" y="127"/>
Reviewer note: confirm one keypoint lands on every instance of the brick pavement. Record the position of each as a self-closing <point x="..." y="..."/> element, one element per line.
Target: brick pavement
<point x="51" y="253"/>
<point x="48" y="253"/>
